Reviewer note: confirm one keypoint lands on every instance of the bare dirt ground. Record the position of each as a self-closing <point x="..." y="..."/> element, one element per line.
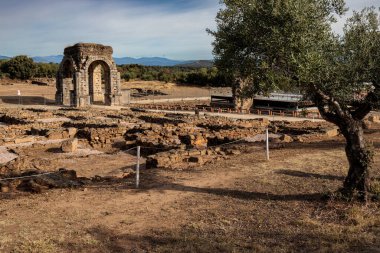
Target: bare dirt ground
<point x="245" y="204"/>
<point x="30" y="93"/>
<point x="35" y="94"/>
<point x="160" y="90"/>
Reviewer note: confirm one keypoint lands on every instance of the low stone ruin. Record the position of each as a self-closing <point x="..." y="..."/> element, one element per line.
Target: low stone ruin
<point x="167" y="140"/>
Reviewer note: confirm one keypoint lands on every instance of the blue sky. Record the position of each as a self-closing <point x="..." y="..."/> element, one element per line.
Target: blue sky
<point x="137" y="28"/>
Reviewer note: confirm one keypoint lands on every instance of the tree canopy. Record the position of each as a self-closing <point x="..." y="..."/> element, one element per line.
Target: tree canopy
<point x="21" y="67"/>
<point x="267" y="45"/>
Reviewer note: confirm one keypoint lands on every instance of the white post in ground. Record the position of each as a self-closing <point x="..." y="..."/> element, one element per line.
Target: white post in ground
<point x="138" y="167"/>
<point x="19" y="96"/>
<point x="267" y="143"/>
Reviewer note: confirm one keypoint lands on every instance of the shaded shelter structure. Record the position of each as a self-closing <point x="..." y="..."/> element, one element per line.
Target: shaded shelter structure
<point x="88" y="75"/>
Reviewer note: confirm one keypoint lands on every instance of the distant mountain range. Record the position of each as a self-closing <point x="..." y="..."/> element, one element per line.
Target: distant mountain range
<point x="146" y="61"/>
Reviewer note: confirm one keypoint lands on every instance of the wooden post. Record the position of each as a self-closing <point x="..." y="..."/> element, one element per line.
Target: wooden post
<point x="138" y="167"/>
<point x="267" y="143"/>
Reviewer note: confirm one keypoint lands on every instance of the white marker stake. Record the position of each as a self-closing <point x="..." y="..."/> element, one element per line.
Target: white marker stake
<point x="19" y="98"/>
<point x="267" y="143"/>
<point x="138" y="167"/>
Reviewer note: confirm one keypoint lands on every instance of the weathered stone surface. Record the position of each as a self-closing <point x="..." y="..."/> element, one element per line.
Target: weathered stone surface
<point x="233" y="152"/>
<point x="72" y="132"/>
<point x="81" y="67"/>
<point x="286" y="138"/>
<point x="55" y="134"/>
<point x="4" y="188"/>
<point x="331" y="132"/>
<point x="24" y="139"/>
<point x="374" y="118"/>
<point x="37" y="184"/>
<point x="70" y="145"/>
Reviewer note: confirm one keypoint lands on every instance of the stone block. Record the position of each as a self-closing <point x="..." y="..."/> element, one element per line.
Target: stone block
<point x="54" y="135"/>
<point x="331" y="132"/>
<point x="286" y="138"/>
<point x="70" y="145"/>
<point x="24" y="139"/>
<point x="72" y="132"/>
<point x="199" y="141"/>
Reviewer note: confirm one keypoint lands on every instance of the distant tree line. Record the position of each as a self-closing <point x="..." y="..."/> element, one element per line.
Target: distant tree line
<point x="23" y="67"/>
<point x="186" y="75"/>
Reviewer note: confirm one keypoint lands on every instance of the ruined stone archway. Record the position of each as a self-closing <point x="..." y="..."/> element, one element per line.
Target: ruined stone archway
<point x="80" y="80"/>
<point x="99" y="77"/>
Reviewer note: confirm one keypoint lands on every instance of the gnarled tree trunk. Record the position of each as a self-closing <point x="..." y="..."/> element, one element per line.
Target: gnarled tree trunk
<point x="359" y="158"/>
<point x="359" y="155"/>
<point x="241" y="102"/>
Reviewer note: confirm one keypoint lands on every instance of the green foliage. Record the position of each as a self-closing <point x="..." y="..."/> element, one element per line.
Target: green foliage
<point x="21" y="67"/>
<point x="288" y="44"/>
<point x="281" y="44"/>
<point x="267" y="43"/>
<point x="2" y="74"/>
<point x="46" y="69"/>
<point x="185" y="75"/>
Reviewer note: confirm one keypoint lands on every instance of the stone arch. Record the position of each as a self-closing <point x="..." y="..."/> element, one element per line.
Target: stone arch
<point x="99" y="82"/>
<point x="79" y="65"/>
<point x="66" y="82"/>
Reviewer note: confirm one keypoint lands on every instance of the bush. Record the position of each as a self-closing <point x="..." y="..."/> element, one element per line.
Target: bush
<point x="21" y="67"/>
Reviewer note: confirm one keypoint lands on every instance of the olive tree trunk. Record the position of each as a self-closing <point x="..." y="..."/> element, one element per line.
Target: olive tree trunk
<point x="359" y="157"/>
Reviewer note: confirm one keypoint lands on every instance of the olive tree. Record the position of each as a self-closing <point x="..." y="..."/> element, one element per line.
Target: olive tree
<point x="265" y="45"/>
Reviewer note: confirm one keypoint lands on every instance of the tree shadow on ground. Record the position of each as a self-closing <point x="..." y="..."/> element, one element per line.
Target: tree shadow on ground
<point x="189" y="239"/>
<point x="150" y="180"/>
<point x="297" y="173"/>
<point x="243" y="195"/>
<point x="27" y="100"/>
<point x="320" y="145"/>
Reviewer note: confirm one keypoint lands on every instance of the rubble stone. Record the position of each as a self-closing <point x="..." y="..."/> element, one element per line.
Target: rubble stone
<point x="69" y="146"/>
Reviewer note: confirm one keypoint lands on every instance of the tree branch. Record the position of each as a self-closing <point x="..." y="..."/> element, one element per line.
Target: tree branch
<point x="322" y="100"/>
<point x="365" y="107"/>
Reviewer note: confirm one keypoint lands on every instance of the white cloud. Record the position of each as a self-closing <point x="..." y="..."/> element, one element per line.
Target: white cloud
<point x="132" y="30"/>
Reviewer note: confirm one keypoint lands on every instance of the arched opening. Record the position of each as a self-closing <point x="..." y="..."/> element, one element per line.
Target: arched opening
<point x="99" y="83"/>
<point x="68" y="82"/>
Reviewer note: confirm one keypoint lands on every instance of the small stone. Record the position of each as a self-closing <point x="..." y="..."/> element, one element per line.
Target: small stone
<point x="4" y="188"/>
<point x="331" y="132"/>
<point x="286" y="138"/>
<point x="70" y="145"/>
<point x="72" y="132"/>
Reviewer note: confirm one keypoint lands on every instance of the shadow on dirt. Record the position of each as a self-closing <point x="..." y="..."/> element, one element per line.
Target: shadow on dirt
<point x="297" y="173"/>
<point x="27" y="100"/>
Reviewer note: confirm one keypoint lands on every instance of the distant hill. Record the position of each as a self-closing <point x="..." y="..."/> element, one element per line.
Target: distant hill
<point x="2" y="57"/>
<point x="47" y="59"/>
<point x="145" y="61"/>
<point x="197" y="64"/>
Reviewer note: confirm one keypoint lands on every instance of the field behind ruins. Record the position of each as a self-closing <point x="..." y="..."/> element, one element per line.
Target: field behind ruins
<point x="205" y="183"/>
